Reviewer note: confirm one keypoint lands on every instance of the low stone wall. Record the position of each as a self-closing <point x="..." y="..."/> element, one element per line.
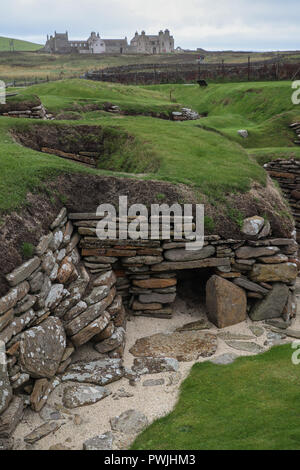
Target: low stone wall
<point x="252" y="269"/>
<point x="73" y="290"/>
<point x="147" y="74"/>
<point x="287" y="174"/>
<point x="35" y="112"/>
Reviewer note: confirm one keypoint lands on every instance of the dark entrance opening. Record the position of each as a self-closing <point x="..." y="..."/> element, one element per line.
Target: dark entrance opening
<point x="191" y="296"/>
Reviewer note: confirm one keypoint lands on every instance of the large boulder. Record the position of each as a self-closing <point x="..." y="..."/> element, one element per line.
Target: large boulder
<point x="272" y="305"/>
<point x="226" y="303"/>
<point x="42" y="348"/>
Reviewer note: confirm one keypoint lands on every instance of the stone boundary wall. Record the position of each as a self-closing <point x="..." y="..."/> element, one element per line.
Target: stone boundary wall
<point x="177" y="73"/>
<point x="287" y="174"/>
<point x="73" y="291"/>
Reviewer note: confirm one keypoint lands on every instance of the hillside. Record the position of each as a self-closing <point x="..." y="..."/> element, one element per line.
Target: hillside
<point x="19" y="45"/>
<point x="203" y="160"/>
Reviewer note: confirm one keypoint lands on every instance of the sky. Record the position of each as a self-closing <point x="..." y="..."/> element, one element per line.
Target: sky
<point x="209" y="24"/>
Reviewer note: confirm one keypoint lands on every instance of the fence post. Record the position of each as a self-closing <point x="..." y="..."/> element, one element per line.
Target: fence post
<point x="249" y="68"/>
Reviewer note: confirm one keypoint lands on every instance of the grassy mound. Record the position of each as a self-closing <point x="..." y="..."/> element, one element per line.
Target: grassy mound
<point x="251" y="404"/>
<point x="207" y="155"/>
<point x="79" y="94"/>
<point x="265" y="109"/>
<point x="19" y="45"/>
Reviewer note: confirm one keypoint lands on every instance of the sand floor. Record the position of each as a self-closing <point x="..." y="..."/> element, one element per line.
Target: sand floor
<point x="86" y="422"/>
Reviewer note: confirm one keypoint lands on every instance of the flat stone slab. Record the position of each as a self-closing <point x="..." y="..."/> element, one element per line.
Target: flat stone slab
<point x="153" y="382"/>
<point x="11" y="417"/>
<point x="288" y="332"/>
<point x="13" y="296"/>
<point x="186" y="346"/>
<point x="284" y="272"/>
<point x="227" y="336"/>
<point x="204" y="263"/>
<point x="272" y="305"/>
<point x="50" y="414"/>
<point x="98" y="372"/>
<point x="157" y="298"/>
<point x="82" y="395"/>
<point x="102" y="442"/>
<point x="23" y="272"/>
<point x="257" y="330"/>
<point x="279" y="323"/>
<point x="224" y="359"/>
<point x="129" y="422"/>
<point x="249" y="285"/>
<point x="245" y="346"/>
<point x="194" y="326"/>
<point x="275" y="339"/>
<point x="154" y="365"/>
<point x="182" y="254"/>
<point x="42" y="431"/>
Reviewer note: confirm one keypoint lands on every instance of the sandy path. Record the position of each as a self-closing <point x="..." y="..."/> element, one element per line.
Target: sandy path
<point x="154" y="402"/>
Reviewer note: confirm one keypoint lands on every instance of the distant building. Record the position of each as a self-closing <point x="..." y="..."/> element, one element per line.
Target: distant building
<point x="60" y="44"/>
<point x="142" y="43"/>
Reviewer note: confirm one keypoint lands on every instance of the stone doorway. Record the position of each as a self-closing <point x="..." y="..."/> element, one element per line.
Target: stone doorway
<point x="191" y="293"/>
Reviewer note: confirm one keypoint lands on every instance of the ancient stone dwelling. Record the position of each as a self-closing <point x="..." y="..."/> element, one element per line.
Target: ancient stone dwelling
<point x="142" y="43"/>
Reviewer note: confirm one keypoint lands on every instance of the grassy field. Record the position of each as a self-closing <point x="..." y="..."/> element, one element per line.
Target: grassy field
<point x="30" y="66"/>
<point x="206" y="154"/>
<point x="18" y="45"/>
<point x="252" y="404"/>
<point x="265" y="109"/>
<point x="185" y="152"/>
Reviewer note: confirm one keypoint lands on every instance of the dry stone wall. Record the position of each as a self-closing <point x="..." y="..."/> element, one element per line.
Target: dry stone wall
<point x="31" y="112"/>
<point x="248" y="273"/>
<point x="287" y="174"/>
<point x="75" y="288"/>
<point x="55" y="305"/>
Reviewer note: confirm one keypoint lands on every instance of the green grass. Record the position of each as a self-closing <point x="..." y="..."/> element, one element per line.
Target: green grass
<point x="252" y="404"/>
<point x="206" y="154"/>
<point x="19" y="45"/>
<point x="70" y="94"/>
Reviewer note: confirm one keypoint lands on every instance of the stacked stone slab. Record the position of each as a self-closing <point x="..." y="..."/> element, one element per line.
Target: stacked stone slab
<point x="296" y="128"/>
<point x="185" y="114"/>
<point x="35" y="112"/>
<point x="287" y="174"/>
<point x="54" y="305"/>
<point x="249" y="270"/>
